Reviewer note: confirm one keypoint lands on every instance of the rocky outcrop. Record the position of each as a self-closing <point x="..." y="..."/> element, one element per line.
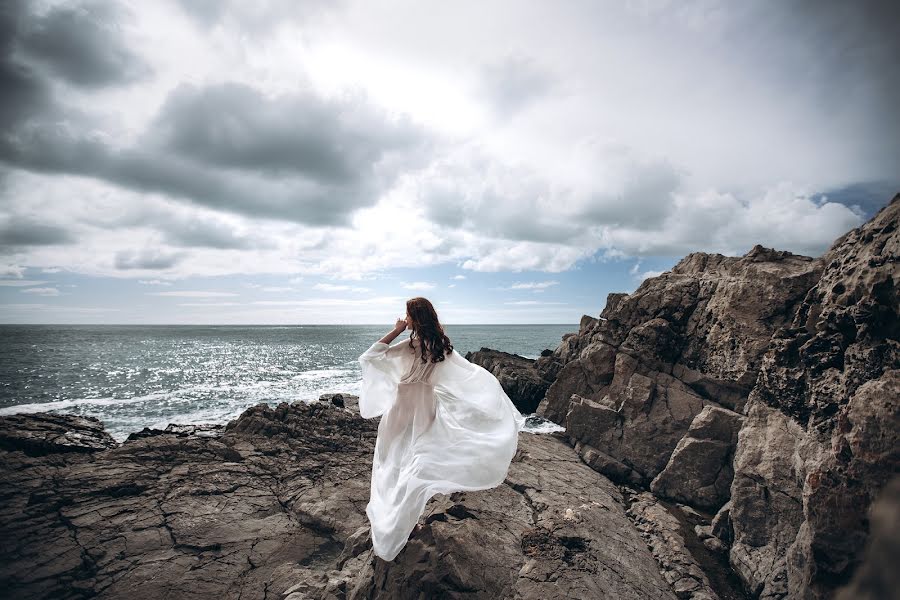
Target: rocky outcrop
<point x="633" y="380"/>
<point x="521" y="380"/>
<point x="275" y="507"/>
<point x="46" y="433"/>
<point x="800" y="354"/>
<point x="699" y="471"/>
<point x="186" y="517"/>
<point x="706" y="323"/>
<point x="821" y="437"/>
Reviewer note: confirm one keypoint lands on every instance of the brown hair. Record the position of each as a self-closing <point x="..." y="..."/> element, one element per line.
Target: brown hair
<point x="424" y="325"/>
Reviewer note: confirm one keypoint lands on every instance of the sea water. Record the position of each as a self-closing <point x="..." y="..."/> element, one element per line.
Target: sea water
<point x="131" y="377"/>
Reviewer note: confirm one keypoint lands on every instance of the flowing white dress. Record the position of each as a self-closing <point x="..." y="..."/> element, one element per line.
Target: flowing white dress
<point x="445" y="427"/>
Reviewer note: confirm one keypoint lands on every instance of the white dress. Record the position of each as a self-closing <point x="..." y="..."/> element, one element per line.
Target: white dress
<point x="445" y="427"/>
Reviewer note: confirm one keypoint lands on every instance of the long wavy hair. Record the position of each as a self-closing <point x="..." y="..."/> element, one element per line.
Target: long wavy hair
<point x="425" y="326"/>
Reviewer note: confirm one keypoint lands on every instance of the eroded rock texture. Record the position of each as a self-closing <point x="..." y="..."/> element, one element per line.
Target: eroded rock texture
<point x="185" y="517"/>
<point x="699" y="471"/>
<point x="275" y="506"/>
<point x="633" y="381"/>
<point x="821" y="435"/>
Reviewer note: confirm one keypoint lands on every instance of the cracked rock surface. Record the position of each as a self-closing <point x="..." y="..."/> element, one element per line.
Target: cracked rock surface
<point x="274" y="508"/>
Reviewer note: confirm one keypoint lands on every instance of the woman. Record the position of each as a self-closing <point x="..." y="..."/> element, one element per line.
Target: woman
<point x="446" y="425"/>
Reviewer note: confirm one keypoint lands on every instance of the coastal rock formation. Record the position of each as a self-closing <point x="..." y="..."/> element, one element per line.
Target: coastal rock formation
<point x="633" y="381"/>
<point x="699" y="471"/>
<point x="521" y="381"/>
<point x="46" y="433"/>
<point x="276" y="506"/>
<point x="821" y="436"/>
<point x="187" y="517"/>
<point x="802" y="357"/>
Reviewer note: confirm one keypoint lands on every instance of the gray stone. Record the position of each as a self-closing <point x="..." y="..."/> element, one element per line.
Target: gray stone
<point x="699" y="472"/>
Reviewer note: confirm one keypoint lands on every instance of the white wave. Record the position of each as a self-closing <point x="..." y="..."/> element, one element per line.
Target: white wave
<point x="63" y="404"/>
<point x="322" y="374"/>
<point x="538" y="424"/>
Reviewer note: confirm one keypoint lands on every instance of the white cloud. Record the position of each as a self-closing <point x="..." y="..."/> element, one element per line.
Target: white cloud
<point x="20" y="282"/>
<point x="41" y="291"/>
<point x="192" y="294"/>
<point x="12" y="271"/>
<point x="531" y="302"/>
<point x="533" y="285"/>
<point x="718" y="222"/>
<point x="330" y="287"/>
<point x="154" y="282"/>
<point x="209" y="304"/>
<point x="607" y="142"/>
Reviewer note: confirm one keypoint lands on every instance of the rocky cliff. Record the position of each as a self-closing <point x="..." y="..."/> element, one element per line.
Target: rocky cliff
<point x="765" y="388"/>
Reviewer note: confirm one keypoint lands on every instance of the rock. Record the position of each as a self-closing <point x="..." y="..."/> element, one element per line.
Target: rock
<point x="346" y="401"/>
<point x="48" y="433"/>
<point x="651" y="415"/>
<point x="275" y="506"/>
<point x="203" y="430"/>
<point x="720" y="527"/>
<point x="666" y="537"/>
<point x="689" y="338"/>
<point x="820" y="440"/>
<point x="520" y="379"/>
<point x="700" y="470"/>
<point x="186" y="516"/>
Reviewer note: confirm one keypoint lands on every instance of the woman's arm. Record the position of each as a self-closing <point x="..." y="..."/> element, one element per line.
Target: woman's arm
<point x="399" y="328"/>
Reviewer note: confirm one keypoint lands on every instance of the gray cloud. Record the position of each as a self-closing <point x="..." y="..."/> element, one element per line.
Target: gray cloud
<point x="513" y="83"/>
<point x="233" y="125"/>
<point x="515" y="203"/>
<point x="181" y="227"/>
<point x="24" y="92"/>
<point x="207" y="234"/>
<point x="254" y="17"/>
<point x="83" y="44"/>
<point x="228" y="147"/>
<point x="147" y="259"/>
<point x="21" y="231"/>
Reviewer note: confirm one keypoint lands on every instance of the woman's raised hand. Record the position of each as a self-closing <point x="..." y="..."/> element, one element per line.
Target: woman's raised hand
<point x="400" y="325"/>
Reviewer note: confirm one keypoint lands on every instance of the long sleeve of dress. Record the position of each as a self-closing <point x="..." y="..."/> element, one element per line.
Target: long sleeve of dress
<point x="382" y="367"/>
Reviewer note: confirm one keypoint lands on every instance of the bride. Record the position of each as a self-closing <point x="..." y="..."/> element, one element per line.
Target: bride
<point x="446" y="425"/>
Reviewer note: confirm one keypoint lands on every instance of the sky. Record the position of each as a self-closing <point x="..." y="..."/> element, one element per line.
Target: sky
<point x="282" y="161"/>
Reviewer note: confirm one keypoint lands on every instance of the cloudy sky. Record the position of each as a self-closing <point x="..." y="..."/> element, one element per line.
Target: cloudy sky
<point x="205" y="161"/>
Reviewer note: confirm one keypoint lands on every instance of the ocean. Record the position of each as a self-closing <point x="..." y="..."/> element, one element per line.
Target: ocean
<point x="132" y="376"/>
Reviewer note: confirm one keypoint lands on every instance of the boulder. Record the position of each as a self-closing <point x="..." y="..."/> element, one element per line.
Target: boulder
<point x="700" y="471"/>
